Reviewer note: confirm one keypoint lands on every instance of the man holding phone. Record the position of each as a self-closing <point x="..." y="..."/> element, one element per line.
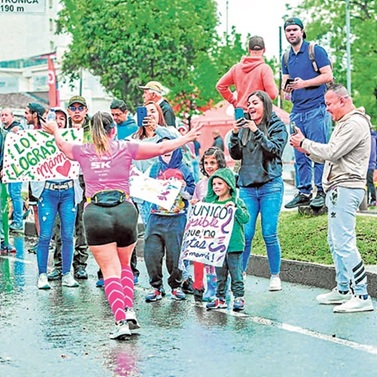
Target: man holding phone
<point x="306" y="87"/>
<point x="153" y="93"/>
<point x="249" y="75"/>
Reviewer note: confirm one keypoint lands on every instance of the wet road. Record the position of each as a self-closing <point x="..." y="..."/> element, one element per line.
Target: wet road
<point x="64" y="332"/>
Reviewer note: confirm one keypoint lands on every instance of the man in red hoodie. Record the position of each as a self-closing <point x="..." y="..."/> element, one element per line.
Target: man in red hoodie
<point x="249" y="75"/>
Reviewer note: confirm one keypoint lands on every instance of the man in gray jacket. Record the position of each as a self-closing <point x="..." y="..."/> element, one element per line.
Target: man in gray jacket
<point x="346" y="158"/>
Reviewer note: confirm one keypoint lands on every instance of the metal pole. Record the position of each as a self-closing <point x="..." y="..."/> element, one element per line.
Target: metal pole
<point x="348" y="45"/>
<point x="226" y="17"/>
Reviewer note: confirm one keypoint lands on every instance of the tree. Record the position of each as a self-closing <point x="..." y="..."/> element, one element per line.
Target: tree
<point x="327" y="25"/>
<point x="127" y="43"/>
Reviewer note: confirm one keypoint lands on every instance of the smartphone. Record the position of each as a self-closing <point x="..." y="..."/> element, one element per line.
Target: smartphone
<point x="293" y="128"/>
<point x="238" y="113"/>
<point x="288" y="82"/>
<point x="141" y="112"/>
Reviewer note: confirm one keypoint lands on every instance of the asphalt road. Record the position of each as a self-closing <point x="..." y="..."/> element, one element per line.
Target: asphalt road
<point x="64" y="332"/>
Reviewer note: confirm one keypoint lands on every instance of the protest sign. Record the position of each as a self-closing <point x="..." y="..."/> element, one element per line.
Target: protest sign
<point x="32" y="155"/>
<point x="207" y="233"/>
<point x="160" y="192"/>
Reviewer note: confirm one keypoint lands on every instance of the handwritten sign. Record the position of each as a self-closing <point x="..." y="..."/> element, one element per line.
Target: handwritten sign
<point x="207" y="233"/>
<point x="160" y="192"/>
<point x="32" y="155"/>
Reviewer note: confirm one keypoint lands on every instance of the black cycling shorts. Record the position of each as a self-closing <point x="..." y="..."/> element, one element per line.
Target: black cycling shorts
<point x="105" y="225"/>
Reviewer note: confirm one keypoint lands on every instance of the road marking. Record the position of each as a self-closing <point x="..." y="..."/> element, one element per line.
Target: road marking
<point x="315" y="334"/>
<point x="298" y="330"/>
<point x="16" y="259"/>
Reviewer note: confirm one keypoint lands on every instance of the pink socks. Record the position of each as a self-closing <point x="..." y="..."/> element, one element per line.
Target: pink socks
<point x="115" y="297"/>
<point x="127" y="279"/>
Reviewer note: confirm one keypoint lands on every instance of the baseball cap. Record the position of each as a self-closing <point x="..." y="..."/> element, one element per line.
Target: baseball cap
<point x="294" y="21"/>
<point x="77" y="99"/>
<point x="36" y="108"/>
<point x="256" y="43"/>
<point x="153" y="85"/>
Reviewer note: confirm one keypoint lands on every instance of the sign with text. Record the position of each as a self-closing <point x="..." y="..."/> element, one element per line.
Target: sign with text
<point x="207" y="233"/>
<point x="32" y="155"/>
<point x="22" y="6"/>
<point x="157" y="191"/>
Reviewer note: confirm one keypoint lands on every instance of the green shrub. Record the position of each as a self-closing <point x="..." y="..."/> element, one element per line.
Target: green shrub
<point x="304" y="238"/>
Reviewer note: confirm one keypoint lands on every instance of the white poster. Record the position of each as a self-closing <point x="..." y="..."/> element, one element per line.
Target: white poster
<point x="160" y="192"/>
<point x="207" y="233"/>
<point x="32" y="155"/>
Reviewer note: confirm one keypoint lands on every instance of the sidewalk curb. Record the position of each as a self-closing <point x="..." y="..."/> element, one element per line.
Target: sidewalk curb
<point x="312" y="274"/>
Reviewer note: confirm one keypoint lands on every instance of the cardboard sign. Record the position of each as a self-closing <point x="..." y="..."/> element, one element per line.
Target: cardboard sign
<point x="160" y="192"/>
<point x="207" y="233"/>
<point x="32" y="155"/>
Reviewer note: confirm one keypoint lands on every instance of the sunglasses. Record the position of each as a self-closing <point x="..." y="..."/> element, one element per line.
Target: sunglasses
<point x="74" y="108"/>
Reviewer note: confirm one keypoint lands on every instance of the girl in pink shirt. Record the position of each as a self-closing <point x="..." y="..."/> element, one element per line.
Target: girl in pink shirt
<point x="110" y="218"/>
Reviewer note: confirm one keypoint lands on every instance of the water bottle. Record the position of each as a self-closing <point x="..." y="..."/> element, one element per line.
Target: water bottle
<point x="51" y="116"/>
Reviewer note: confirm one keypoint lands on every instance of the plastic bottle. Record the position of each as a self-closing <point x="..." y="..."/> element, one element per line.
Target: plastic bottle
<point x="51" y="116"/>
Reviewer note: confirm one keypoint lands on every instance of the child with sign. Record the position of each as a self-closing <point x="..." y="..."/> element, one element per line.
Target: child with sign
<point x="166" y="226"/>
<point x="212" y="160"/>
<point x="222" y="190"/>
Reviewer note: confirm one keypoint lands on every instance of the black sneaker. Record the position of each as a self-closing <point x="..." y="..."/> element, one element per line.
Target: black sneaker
<point x="319" y="200"/>
<point x="55" y="274"/>
<point x="187" y="286"/>
<point x="198" y="295"/>
<point x="81" y="273"/>
<point x="299" y="200"/>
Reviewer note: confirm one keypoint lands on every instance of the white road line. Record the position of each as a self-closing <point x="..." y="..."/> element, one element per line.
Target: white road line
<point x="16" y="259"/>
<point x="315" y="334"/>
<point x="299" y="330"/>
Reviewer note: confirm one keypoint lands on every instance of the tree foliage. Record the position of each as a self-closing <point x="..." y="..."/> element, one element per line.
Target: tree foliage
<point x="326" y="23"/>
<point x="128" y="43"/>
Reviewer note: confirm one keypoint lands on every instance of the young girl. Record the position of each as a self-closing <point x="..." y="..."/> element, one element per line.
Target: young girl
<point x="212" y="160"/>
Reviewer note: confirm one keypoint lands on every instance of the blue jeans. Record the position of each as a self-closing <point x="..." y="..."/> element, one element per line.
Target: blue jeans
<point x="342" y="204"/>
<point x="266" y="200"/>
<point x="50" y="203"/>
<point x="315" y="125"/>
<point x="17" y="202"/>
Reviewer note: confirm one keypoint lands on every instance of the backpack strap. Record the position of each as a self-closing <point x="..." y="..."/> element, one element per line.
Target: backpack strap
<point x="286" y="57"/>
<point x="311" y="56"/>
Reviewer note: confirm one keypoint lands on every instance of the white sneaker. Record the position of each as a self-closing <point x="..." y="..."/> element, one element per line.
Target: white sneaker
<point x="69" y="281"/>
<point x="355" y="304"/>
<point x="334" y="297"/>
<point x="275" y="283"/>
<point x="121" y="330"/>
<point x="133" y="323"/>
<point x="43" y="282"/>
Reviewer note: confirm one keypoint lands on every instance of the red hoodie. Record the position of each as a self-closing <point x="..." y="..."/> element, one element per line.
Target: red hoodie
<point x="249" y="75"/>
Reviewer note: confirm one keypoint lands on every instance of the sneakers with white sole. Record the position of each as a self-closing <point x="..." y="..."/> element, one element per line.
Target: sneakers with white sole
<point x="133" y="323"/>
<point x="275" y="283"/>
<point x="121" y="330"/>
<point x="355" y="304"/>
<point x="43" y="282"/>
<point x="334" y="297"/>
<point x="69" y="281"/>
